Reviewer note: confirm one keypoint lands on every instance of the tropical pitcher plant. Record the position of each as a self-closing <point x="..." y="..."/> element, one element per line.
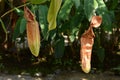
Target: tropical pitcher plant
<point x="87" y="41"/>
<point x="33" y="33"/>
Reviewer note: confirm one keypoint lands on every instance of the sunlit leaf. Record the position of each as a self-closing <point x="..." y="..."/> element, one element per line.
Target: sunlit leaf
<point x="33" y="34"/>
<point x="52" y="13"/>
<point x="101" y="5"/>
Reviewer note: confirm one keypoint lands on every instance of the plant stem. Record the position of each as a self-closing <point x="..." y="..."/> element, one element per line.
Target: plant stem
<point x="3" y="26"/>
<point x="13" y="10"/>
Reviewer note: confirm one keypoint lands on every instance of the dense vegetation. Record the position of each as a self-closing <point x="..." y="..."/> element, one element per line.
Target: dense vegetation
<point x="60" y="44"/>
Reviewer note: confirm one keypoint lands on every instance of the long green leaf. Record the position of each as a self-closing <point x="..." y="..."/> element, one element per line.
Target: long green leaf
<point x="52" y="13"/>
<point x="42" y="12"/>
<point x="16" y="32"/>
<point x="37" y="1"/>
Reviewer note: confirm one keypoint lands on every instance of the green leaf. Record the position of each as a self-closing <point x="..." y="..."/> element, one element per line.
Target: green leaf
<point x="59" y="48"/>
<point x="23" y="25"/>
<point x="52" y="13"/>
<point x="72" y="26"/>
<point x="77" y="3"/>
<point x="90" y="7"/>
<point x="107" y="22"/>
<point x="37" y="1"/>
<point x="107" y="16"/>
<point x="16" y="32"/>
<point x="101" y="5"/>
<point x="101" y="54"/>
<point x="76" y="20"/>
<point x="43" y="10"/>
<point x="65" y="10"/>
<point x="20" y="27"/>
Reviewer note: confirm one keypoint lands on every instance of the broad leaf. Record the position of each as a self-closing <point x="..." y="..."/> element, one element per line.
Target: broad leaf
<point x="101" y="5"/>
<point x="107" y="16"/>
<point x="52" y="13"/>
<point x="73" y="25"/>
<point x="90" y="7"/>
<point x="65" y="9"/>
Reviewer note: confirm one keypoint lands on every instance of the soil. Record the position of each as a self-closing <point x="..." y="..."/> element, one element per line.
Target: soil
<point x="62" y="75"/>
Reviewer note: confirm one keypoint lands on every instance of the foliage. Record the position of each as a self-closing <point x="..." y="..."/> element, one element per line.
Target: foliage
<point x="52" y="13"/>
<point x="70" y="18"/>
